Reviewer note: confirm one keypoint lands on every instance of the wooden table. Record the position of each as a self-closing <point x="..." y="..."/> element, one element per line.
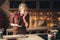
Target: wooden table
<point x="32" y="29"/>
<point x="23" y="37"/>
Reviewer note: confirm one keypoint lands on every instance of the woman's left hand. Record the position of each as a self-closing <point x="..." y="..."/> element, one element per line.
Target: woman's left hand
<point x="24" y="19"/>
<point x="26" y="24"/>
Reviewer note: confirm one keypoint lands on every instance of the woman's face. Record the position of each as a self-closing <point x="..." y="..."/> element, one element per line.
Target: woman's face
<point x="23" y="10"/>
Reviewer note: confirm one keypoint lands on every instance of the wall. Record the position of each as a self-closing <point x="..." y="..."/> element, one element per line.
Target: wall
<point x="5" y="7"/>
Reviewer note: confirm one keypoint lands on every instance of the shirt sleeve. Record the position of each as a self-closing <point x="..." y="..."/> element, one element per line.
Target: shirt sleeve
<point x="12" y="17"/>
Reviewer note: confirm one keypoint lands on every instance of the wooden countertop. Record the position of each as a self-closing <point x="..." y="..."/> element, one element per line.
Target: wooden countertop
<point x="36" y="28"/>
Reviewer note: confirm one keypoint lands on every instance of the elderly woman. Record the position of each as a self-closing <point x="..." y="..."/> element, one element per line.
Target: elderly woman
<point x="21" y="18"/>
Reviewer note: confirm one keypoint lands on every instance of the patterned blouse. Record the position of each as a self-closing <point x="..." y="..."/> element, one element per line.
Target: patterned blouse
<point x="17" y="19"/>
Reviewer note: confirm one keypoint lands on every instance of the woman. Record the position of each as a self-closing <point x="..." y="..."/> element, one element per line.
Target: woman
<point x="20" y="18"/>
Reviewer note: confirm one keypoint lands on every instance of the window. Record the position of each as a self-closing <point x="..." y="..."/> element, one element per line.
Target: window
<point x="44" y="5"/>
<point x="14" y="4"/>
<point x="56" y="0"/>
<point x="31" y="4"/>
<point x="56" y="5"/>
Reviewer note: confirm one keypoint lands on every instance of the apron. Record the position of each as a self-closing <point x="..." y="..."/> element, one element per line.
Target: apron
<point x="22" y="29"/>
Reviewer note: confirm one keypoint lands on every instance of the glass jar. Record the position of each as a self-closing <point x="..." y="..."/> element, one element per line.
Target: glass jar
<point x="1" y="33"/>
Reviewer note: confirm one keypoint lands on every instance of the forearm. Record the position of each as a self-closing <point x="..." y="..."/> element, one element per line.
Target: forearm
<point x="24" y="20"/>
<point x="26" y="23"/>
